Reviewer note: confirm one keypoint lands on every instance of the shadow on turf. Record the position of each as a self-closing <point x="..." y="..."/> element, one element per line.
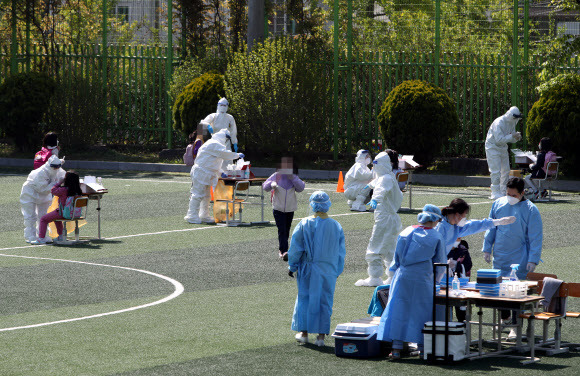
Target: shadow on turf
<point x="89" y="244"/>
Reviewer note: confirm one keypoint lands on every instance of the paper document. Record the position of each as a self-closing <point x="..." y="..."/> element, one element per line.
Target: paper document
<point x="406" y="162"/>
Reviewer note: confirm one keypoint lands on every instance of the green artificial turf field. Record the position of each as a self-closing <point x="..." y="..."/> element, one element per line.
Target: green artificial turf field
<point x="233" y="316"/>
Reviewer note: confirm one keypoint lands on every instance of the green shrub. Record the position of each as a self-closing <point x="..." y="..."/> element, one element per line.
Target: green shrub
<point x="417" y="118"/>
<point x="183" y="76"/>
<point x="557" y="115"/>
<point x="24" y="98"/>
<point x="280" y="98"/>
<point x="197" y="100"/>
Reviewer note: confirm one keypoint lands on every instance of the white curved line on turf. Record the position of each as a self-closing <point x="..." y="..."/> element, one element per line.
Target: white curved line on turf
<point x="178" y="291"/>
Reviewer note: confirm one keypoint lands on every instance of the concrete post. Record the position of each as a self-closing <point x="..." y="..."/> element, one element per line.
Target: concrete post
<point x="255" y="22"/>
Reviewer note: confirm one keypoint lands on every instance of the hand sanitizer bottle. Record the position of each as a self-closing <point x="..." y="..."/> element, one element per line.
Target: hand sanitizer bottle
<point x="455" y="284"/>
<point x="513" y="275"/>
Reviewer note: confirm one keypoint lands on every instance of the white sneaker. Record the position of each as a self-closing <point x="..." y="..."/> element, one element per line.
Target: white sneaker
<point x="48" y="239"/>
<point x="373" y="282"/>
<point x="195" y="221"/>
<point x="39" y="241"/>
<point x="319" y="342"/>
<point x="209" y="220"/>
<point x="301" y="339"/>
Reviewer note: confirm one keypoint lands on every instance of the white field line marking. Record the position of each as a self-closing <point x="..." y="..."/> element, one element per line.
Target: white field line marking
<point x="178" y="291"/>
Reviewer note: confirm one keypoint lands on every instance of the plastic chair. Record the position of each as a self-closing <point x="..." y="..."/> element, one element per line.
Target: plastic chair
<point x="551" y="175"/>
<point x="80" y="202"/>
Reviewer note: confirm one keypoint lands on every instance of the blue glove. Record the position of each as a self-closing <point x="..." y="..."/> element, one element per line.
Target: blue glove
<point x="366" y="187"/>
<point x="224" y="175"/>
<point x="373" y="204"/>
<point x="236" y="148"/>
<point x="209" y="129"/>
<point x="241" y="155"/>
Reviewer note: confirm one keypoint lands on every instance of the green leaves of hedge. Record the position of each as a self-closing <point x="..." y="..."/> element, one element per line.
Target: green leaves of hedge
<point x="557" y="115"/>
<point x="417" y="118"/>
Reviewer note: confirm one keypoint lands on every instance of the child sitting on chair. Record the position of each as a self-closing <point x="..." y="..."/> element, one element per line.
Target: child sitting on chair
<point x="63" y="189"/>
<point x="539" y="169"/>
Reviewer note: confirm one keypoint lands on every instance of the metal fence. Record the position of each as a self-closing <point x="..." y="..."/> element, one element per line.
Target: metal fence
<point x="485" y="55"/>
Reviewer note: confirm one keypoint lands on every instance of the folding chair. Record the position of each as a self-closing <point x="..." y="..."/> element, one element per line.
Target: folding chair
<point x="81" y="203"/>
<point x="551" y="175"/>
<point x="403" y="177"/>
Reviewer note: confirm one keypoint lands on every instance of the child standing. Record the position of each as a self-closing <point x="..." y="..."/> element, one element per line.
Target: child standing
<point x="463" y="264"/>
<point x="411" y="295"/>
<point x="49" y="148"/>
<point x="195" y="142"/>
<point x="539" y="169"/>
<point x="317" y="255"/>
<point x="68" y="187"/>
<point x="284" y="184"/>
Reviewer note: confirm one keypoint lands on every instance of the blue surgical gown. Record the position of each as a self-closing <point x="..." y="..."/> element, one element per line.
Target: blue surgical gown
<point x="451" y="232"/>
<point x="317" y="253"/>
<point x="518" y="243"/>
<point x="410" y="303"/>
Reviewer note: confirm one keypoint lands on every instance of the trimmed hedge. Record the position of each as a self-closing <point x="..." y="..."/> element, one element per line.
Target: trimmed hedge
<point x="557" y="115"/>
<point x="417" y="118"/>
<point x="197" y="100"/>
<point x="24" y="98"/>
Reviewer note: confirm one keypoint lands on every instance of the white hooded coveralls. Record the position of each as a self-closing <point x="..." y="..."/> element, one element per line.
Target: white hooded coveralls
<point x="35" y="196"/>
<point x="383" y="241"/>
<point x="358" y="177"/>
<point x="205" y="173"/>
<point x="500" y="132"/>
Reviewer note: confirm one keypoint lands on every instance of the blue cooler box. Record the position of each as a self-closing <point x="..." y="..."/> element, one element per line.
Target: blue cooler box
<point x="356" y="340"/>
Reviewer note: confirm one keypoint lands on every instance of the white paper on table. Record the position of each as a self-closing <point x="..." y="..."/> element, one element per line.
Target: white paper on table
<point x="407" y="160"/>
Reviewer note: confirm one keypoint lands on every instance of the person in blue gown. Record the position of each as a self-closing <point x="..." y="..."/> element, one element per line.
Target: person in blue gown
<point x="411" y="295"/>
<point x="520" y="242"/>
<point x="455" y="224"/>
<point x="316" y="255"/>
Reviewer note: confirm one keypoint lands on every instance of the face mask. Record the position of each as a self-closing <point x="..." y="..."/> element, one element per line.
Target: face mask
<point x="368" y="161"/>
<point x="222" y="109"/>
<point x="462" y="223"/>
<point x="512" y="200"/>
<point x="456" y="244"/>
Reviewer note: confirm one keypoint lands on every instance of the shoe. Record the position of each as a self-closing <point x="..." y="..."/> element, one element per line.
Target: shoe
<point x="29" y="240"/>
<point x="193" y="221"/>
<point x="319" y="342"/>
<point x="285" y="256"/>
<point x="358" y="208"/>
<point x="301" y="339"/>
<point x="48" y="240"/>
<point x="512" y="335"/>
<point x="39" y="241"/>
<point x="208" y="220"/>
<point x="60" y="238"/>
<point x="373" y="282"/>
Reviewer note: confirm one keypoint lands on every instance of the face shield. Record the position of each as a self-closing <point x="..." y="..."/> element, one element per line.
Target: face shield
<point x="222" y="106"/>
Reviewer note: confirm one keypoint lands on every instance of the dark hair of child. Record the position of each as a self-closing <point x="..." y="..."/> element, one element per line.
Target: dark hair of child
<point x="545" y="144"/>
<point x="50" y="139"/>
<point x="192" y="137"/>
<point x="394" y="156"/>
<point x="71" y="181"/>
<point x="517" y="183"/>
<point x="457" y="205"/>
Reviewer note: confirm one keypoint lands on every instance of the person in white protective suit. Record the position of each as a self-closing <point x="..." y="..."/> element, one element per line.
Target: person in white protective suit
<point x="222" y="120"/>
<point x="387" y="199"/>
<point x="205" y="173"/>
<point x="501" y="131"/>
<point x="356" y="180"/>
<point x="35" y="197"/>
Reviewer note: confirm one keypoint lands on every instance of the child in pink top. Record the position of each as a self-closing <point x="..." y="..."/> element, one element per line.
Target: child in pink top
<point x="70" y="186"/>
<point x="49" y="148"/>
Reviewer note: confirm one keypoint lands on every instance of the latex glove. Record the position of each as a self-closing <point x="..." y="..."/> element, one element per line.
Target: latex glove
<point x="517" y="136"/>
<point x="373" y="204"/>
<point x="530" y="267"/>
<point x="504" y="221"/>
<point x="291" y="274"/>
<point x="531" y="165"/>
<point x="273" y="185"/>
<point x="452" y="264"/>
<point x="241" y="155"/>
<point x="235" y="147"/>
<point x="487" y="257"/>
<point x="209" y="129"/>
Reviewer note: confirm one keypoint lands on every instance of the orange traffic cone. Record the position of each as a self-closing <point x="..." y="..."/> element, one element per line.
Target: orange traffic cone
<point x="211" y="193"/>
<point x="340" y="185"/>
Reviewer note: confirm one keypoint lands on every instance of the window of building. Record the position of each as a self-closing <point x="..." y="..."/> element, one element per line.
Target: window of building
<point x="571" y="28"/>
<point x="122" y="13"/>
